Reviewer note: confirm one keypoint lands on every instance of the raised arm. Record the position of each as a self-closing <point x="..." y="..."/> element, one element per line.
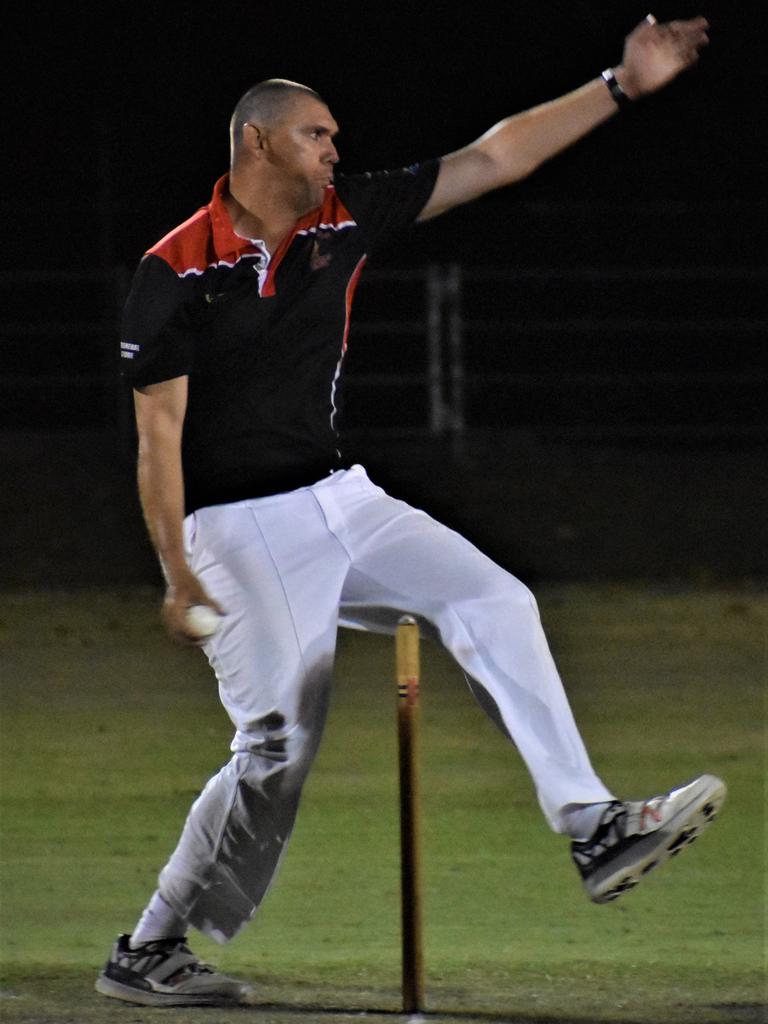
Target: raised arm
<point x="160" y="410"/>
<point x="654" y="54"/>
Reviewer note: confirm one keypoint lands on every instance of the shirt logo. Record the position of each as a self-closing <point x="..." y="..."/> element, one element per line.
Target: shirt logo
<point x="320" y="255"/>
<point x="128" y="349"/>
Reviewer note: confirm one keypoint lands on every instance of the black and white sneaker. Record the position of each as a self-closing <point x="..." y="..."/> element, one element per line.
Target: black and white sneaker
<point x="634" y="837"/>
<point x="166" y="973"/>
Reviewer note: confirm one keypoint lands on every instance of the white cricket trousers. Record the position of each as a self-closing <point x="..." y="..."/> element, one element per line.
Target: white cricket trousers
<point x="289" y="569"/>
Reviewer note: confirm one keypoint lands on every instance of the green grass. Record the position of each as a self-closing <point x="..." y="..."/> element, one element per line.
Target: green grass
<point x="109" y="731"/>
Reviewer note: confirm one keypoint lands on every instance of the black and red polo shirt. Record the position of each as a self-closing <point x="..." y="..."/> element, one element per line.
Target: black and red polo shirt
<point x="262" y="336"/>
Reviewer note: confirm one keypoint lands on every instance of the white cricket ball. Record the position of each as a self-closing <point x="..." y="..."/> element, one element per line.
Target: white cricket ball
<point x="202" y="621"/>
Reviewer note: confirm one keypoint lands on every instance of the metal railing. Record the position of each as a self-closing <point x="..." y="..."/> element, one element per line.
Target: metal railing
<point x="679" y="354"/>
<point x="438" y="346"/>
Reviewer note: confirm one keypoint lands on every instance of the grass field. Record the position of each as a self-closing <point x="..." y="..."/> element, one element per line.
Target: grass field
<point x="109" y="731"/>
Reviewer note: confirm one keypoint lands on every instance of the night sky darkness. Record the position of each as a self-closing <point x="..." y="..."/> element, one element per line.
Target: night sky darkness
<point x="124" y="107"/>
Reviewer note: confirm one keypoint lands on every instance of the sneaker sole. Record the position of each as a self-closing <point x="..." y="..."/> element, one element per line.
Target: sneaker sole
<point x="655" y="849"/>
<point x="142" y="997"/>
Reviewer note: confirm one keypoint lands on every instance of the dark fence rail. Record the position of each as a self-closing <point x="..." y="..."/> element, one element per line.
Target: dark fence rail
<point x="440" y="349"/>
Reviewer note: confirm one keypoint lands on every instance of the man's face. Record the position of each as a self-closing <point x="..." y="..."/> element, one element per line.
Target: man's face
<point x="301" y="148"/>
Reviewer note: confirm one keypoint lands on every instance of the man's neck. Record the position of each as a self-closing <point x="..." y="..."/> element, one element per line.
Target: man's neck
<point x="260" y="211"/>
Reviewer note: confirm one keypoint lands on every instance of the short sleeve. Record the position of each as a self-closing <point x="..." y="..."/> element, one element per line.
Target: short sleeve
<point x="384" y="203"/>
<point x="157" y="337"/>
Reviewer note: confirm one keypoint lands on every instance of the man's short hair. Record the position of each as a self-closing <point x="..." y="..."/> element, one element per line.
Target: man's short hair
<point x="264" y="103"/>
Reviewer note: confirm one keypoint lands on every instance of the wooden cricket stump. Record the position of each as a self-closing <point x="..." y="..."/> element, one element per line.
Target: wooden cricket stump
<point x="407" y="671"/>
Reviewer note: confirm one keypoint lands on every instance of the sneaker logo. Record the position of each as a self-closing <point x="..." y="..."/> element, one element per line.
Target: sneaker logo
<point x="653" y="812"/>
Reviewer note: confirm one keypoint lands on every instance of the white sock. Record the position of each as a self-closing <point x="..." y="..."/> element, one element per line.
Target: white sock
<point x="581" y="820"/>
<point x="159" y="921"/>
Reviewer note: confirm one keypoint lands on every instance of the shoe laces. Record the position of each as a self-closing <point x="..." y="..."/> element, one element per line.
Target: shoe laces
<point x="165" y="948"/>
<point x="609" y="833"/>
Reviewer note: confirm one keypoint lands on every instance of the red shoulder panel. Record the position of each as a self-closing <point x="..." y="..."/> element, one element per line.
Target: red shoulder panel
<point x="189" y="247"/>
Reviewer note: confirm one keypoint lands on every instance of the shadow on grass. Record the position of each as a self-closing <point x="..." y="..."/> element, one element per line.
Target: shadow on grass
<point x="727" y="1013"/>
<point x="66" y="996"/>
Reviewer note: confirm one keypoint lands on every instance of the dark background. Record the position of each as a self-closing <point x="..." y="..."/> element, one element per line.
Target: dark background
<point x="125" y="107"/>
<point x="116" y="127"/>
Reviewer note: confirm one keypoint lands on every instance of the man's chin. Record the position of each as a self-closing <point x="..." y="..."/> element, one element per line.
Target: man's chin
<point x="318" y="194"/>
<point x="314" y="196"/>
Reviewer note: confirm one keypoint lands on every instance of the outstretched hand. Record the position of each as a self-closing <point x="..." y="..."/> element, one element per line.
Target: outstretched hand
<point x="655" y="53"/>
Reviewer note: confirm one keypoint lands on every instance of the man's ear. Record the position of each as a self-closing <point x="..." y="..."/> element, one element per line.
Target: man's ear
<point x="253" y="137"/>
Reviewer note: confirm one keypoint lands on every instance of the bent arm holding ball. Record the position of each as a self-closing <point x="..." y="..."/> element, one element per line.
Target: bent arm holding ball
<point x="654" y="54"/>
<point x="160" y="410"/>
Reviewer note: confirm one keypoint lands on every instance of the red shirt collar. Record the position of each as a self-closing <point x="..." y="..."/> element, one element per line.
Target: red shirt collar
<point x="225" y="242"/>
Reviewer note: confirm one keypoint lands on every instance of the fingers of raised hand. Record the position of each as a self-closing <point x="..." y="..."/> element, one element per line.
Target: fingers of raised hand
<point x="678" y="42"/>
<point x="683" y="36"/>
<point x="687" y="38"/>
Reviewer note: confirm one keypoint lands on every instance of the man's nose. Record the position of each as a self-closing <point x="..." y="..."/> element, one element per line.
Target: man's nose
<point x="332" y="156"/>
